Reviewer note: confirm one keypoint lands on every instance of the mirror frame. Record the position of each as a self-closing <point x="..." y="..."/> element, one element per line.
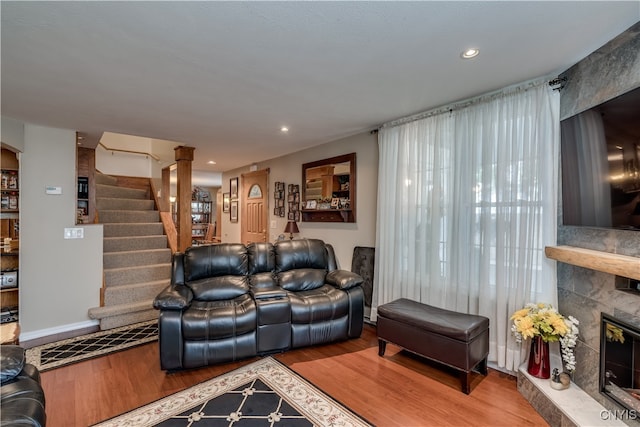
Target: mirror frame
<point x="331" y="215"/>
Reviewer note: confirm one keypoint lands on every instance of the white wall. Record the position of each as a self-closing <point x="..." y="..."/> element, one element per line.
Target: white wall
<point x="59" y="279"/>
<point x="125" y="164"/>
<point x="13" y="133"/>
<point x="132" y="164"/>
<point x="343" y="236"/>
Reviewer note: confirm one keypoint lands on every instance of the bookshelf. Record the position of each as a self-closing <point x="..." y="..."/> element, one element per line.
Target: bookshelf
<point x="9" y="244"/>
<point x="200" y="218"/>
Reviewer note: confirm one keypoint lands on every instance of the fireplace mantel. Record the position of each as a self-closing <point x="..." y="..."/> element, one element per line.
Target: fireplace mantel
<point x="620" y="265"/>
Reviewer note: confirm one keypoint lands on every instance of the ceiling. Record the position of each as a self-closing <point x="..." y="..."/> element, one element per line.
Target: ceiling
<point x="224" y="77"/>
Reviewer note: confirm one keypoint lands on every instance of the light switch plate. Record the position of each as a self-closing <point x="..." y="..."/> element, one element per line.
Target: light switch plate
<point x="273" y="223"/>
<point x="74" y="233"/>
<point x="50" y="189"/>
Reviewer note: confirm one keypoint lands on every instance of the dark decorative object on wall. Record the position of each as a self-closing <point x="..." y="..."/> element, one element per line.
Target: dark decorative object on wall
<point x="293" y="199"/>
<point x="325" y="180"/>
<point x="233" y="185"/>
<point x="233" y="214"/>
<point x="362" y="263"/>
<point x="226" y="200"/>
<point x="278" y="195"/>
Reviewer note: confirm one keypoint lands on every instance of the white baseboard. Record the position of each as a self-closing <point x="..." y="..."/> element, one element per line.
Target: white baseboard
<point x="27" y="336"/>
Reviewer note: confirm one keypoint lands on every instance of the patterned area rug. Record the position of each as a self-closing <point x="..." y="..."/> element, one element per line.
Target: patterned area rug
<point x="72" y="350"/>
<point x="264" y="393"/>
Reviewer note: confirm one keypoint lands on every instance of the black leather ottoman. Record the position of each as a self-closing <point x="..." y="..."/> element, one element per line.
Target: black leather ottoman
<point x="458" y="340"/>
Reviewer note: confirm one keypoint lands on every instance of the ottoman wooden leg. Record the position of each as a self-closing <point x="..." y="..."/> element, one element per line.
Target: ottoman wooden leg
<point x="465" y="379"/>
<point x="482" y="367"/>
<point x="382" y="346"/>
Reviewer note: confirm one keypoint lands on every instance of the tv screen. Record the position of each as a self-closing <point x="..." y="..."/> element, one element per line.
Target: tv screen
<point x="600" y="151"/>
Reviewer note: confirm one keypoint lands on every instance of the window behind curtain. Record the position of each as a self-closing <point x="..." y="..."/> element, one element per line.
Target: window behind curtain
<point x="467" y="200"/>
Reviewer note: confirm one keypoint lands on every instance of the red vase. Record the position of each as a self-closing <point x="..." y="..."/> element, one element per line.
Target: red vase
<point x="539" y="365"/>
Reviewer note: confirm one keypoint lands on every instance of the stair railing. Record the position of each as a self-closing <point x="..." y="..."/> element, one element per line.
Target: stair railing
<point x="120" y="150"/>
<point x="164" y="208"/>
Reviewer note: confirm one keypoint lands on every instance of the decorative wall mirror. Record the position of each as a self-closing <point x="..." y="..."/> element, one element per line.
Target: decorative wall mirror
<point x="329" y="189"/>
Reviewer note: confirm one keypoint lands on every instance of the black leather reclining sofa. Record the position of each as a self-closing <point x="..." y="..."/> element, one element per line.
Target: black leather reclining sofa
<point x="22" y="401"/>
<point x="230" y="301"/>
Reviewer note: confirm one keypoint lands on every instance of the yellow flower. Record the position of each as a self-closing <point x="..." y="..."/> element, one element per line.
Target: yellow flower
<point x="614" y="333"/>
<point x="544" y="321"/>
<point x="520" y="314"/>
<point x="526" y="327"/>
<point x="559" y="326"/>
<point x="540" y="320"/>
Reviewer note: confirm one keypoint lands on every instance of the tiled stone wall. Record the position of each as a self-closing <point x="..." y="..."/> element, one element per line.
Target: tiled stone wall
<point x="610" y="71"/>
<point x="550" y="411"/>
<point x="585" y="293"/>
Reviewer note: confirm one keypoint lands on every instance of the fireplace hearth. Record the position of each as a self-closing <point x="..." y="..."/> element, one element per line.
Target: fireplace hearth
<point x="620" y="362"/>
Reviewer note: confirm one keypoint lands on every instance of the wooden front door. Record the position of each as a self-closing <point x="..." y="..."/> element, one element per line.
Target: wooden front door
<point x="254" y="213"/>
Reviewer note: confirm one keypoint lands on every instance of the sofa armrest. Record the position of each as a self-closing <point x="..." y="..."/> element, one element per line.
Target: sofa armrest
<point x="263" y="286"/>
<point x="173" y="297"/>
<point x="177" y="268"/>
<point x="343" y="279"/>
<point x="12" y="360"/>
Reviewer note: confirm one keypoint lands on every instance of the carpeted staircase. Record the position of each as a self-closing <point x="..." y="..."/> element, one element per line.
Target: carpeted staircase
<point x="136" y="260"/>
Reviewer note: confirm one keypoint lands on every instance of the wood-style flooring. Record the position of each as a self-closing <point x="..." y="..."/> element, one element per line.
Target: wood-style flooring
<point x="398" y="389"/>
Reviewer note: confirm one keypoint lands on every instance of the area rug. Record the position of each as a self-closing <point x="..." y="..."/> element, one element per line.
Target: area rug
<point x="263" y="393"/>
<point x="72" y="350"/>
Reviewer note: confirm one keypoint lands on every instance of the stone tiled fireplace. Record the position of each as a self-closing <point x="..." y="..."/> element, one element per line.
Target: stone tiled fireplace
<point x="583" y="292"/>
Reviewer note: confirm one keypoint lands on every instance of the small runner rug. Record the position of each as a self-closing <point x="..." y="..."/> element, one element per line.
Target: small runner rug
<point x="72" y="350"/>
<point x="264" y="393"/>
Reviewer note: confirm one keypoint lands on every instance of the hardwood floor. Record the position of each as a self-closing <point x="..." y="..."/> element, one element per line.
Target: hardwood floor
<point x="398" y="389"/>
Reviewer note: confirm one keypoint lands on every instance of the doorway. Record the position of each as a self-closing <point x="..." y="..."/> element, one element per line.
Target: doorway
<point x="254" y="213"/>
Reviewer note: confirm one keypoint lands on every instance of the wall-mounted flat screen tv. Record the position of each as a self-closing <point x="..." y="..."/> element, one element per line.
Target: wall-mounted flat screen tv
<point x="600" y="151"/>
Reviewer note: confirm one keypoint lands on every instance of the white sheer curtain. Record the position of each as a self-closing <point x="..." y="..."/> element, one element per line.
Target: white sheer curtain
<point x="467" y="201"/>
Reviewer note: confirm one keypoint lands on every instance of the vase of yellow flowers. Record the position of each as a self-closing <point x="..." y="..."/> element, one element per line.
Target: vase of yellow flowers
<point x="543" y="324"/>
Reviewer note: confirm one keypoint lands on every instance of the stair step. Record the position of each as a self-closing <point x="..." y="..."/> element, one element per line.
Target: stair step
<point x="124" y="314"/>
<point x="124" y="294"/>
<point x="130" y="318"/>
<point x="136" y="258"/>
<point x="112" y="203"/>
<point x="111" y="216"/>
<point x="106" y="179"/>
<point x="127" y="229"/>
<point x="131" y="275"/>
<point x="103" y="190"/>
<point x="135" y="243"/>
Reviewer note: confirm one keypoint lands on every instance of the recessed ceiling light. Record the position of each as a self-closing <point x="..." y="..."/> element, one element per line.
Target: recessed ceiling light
<point x="470" y="53"/>
<point x="211" y="162"/>
<point x="284" y="129"/>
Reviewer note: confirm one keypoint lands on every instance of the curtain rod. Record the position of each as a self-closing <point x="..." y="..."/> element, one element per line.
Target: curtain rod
<point x="476" y="100"/>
